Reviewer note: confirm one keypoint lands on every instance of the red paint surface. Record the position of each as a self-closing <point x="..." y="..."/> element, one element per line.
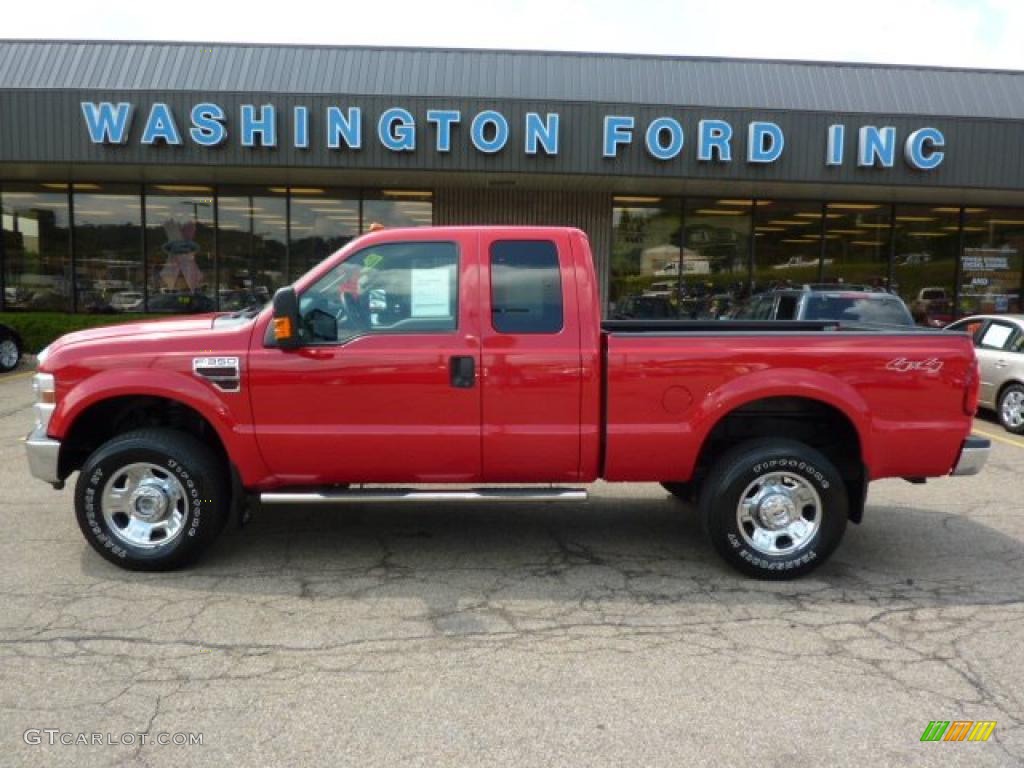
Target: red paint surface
<point x="381" y="408"/>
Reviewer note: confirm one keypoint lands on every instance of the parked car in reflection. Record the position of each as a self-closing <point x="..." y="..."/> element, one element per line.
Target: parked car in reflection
<point x="933" y="306"/>
<point x="127" y="301"/>
<point x="856" y="306"/>
<point x="185" y="303"/>
<point x="643" y="308"/>
<point x="999" y="343"/>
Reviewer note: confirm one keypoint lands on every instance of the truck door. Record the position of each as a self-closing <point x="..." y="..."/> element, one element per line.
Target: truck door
<point x="531" y="365"/>
<point x="385" y="387"/>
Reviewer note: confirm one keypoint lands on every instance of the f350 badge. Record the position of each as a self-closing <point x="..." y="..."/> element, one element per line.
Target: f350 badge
<point x="901" y="364"/>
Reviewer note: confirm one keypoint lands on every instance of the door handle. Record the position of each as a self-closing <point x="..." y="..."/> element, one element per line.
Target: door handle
<point x="462" y="369"/>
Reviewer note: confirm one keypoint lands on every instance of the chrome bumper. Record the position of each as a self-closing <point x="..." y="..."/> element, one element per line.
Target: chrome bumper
<point x="973" y="456"/>
<point x="43" y="453"/>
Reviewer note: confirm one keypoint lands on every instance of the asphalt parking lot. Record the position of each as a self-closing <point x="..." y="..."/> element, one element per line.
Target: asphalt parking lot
<point x="601" y="634"/>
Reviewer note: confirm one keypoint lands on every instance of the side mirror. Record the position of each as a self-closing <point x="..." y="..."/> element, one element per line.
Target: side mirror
<point x="286" y="318"/>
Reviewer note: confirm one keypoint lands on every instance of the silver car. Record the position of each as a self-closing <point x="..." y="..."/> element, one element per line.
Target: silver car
<point x="999" y="342"/>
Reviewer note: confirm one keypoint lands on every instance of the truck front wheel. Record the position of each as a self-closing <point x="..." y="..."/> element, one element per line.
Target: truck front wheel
<point x="774" y="508"/>
<point x="151" y="499"/>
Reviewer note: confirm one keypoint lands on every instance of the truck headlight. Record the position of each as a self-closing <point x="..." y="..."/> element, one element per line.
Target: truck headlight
<point x="45" y="389"/>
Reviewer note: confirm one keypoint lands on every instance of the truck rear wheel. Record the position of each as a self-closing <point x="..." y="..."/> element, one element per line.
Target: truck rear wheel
<point x="151" y="499"/>
<point x="774" y="508"/>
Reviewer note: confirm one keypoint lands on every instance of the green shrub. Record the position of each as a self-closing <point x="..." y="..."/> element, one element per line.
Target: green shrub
<point x="38" y="329"/>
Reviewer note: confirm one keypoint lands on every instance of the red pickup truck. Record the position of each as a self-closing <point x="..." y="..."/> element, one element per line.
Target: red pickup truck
<point x="476" y="355"/>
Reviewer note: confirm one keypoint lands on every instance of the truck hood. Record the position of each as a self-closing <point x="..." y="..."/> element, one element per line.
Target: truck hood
<point x="150" y="328"/>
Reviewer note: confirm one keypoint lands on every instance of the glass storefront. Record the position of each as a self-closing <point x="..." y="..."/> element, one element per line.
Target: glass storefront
<point x="36" y="247"/>
<point x="645" y="259"/>
<point x="321" y="222"/>
<point x="925" y="242"/>
<point x="716" y="260"/>
<point x="857" y="238"/>
<point x="990" y="264"/>
<point x="167" y="248"/>
<point x="787" y="251"/>
<point x="177" y="248"/>
<point x="252" y="245"/>
<point x="109" y="267"/>
<point x="180" y="244"/>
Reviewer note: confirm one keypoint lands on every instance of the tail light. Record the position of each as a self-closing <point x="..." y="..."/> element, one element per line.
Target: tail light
<point x="973" y="388"/>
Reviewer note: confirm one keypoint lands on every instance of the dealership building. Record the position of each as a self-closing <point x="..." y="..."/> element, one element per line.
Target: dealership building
<point x="183" y="177"/>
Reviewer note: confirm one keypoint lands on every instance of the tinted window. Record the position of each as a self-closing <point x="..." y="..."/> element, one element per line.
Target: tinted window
<point x="387" y="288"/>
<point x="526" y="287"/>
<point x="787" y="308"/>
<point x="886" y="310"/>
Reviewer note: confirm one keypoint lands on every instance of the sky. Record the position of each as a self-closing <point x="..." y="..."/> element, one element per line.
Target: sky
<point x="958" y="33"/>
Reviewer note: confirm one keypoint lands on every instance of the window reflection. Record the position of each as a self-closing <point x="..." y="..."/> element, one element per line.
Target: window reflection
<point x="322" y="221"/>
<point x="398" y="208"/>
<point x="37" y="256"/>
<point x="252" y="243"/>
<point x="180" y="248"/>
<point x="716" y="261"/>
<point x="788" y="247"/>
<point x="645" y="258"/>
<point x="857" y="244"/>
<point x="990" y="275"/>
<point x="924" y="264"/>
<point x="108" y="248"/>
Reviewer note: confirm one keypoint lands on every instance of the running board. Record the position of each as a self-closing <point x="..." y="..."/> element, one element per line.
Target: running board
<point x="398" y="495"/>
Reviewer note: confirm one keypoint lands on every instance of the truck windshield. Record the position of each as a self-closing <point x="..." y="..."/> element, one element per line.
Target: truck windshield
<point x="883" y="310"/>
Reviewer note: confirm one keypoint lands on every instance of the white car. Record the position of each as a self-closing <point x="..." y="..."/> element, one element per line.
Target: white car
<point x="127" y="301"/>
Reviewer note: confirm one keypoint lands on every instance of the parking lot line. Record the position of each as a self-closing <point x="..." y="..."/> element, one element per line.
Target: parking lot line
<point x="1000" y="438"/>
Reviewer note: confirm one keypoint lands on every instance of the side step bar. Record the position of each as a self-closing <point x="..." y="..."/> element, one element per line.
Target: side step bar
<point x="399" y="495"/>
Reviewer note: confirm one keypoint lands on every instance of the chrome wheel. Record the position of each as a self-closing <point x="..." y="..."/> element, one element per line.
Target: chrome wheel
<point x="8" y="354"/>
<point x="144" y="505"/>
<point x="1012" y="409"/>
<point x="779" y="513"/>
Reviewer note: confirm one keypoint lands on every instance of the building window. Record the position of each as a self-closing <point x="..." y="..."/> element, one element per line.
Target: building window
<point x="398" y="208"/>
<point x="857" y="237"/>
<point x="252" y="245"/>
<point x="990" y="265"/>
<point x="716" y="260"/>
<point x="645" y="260"/>
<point x="788" y="243"/>
<point x="108" y="243"/>
<point x="180" y="248"/>
<point x="925" y="246"/>
<point x="37" y="254"/>
<point x="322" y="221"/>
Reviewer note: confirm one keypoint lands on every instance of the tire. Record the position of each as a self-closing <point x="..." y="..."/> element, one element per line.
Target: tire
<point x="10" y="351"/>
<point x="1011" y="409"/>
<point x="795" y="513"/>
<point x="152" y="499"/>
<point x="682" y="491"/>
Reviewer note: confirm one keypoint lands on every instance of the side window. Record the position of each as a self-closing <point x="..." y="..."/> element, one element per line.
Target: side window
<point x="526" y="287"/>
<point x="996" y="335"/>
<point x="787" y="308"/>
<point x="387" y="288"/>
<point x="762" y="309"/>
<point x="970" y="327"/>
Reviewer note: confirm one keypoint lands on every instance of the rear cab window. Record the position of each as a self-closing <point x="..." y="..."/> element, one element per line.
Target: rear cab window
<point x="526" y="287"/>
